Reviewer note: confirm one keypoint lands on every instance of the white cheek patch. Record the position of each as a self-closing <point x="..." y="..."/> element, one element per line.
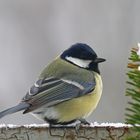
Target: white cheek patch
<point x="79" y="62"/>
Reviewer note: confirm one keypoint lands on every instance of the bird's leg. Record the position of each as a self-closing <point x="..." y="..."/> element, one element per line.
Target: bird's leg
<point x="78" y="125"/>
<point x="83" y="121"/>
<point x="51" y="126"/>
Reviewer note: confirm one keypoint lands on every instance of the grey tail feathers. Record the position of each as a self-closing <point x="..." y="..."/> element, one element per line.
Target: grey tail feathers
<point x="19" y="107"/>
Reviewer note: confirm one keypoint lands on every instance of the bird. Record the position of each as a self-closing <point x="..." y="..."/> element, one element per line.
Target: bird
<point x="67" y="90"/>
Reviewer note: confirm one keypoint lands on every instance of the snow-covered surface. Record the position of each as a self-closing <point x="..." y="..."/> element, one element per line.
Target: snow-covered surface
<point x="26" y="125"/>
<point x="106" y="124"/>
<point x="95" y="124"/>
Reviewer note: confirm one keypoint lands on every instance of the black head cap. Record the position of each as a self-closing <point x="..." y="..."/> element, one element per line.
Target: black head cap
<point x="81" y="51"/>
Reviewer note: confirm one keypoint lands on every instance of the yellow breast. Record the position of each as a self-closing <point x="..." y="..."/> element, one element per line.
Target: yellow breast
<point x="80" y="107"/>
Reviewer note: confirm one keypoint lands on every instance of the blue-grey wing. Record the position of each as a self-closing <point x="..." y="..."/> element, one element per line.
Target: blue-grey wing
<point x="51" y="91"/>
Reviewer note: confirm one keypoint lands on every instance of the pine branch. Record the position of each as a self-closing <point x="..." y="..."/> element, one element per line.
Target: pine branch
<point x="133" y="90"/>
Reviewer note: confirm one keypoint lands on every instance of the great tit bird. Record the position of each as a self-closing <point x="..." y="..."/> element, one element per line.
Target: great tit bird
<point x="67" y="90"/>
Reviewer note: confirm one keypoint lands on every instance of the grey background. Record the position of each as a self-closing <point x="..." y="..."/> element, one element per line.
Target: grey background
<point x="34" y="32"/>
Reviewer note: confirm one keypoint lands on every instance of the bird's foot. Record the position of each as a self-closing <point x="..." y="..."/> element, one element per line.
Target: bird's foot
<point x="82" y="122"/>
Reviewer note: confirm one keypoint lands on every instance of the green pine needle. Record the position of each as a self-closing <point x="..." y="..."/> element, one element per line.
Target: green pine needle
<point x="133" y="91"/>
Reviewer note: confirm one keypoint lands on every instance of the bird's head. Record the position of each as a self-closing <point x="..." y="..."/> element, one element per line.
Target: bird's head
<point x="82" y="56"/>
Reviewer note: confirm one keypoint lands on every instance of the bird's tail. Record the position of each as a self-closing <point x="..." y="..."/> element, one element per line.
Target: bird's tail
<point x="19" y="107"/>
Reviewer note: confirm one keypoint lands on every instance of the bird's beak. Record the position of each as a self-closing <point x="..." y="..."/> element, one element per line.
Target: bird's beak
<point x="99" y="60"/>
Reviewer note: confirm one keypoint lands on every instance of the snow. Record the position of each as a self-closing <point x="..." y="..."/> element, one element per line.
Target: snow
<point x="116" y="125"/>
<point x="95" y="124"/>
<point x="26" y="125"/>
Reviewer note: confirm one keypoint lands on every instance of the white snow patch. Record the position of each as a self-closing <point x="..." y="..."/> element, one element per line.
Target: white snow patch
<point x="26" y="125"/>
<point x="95" y="124"/>
<point x="8" y="126"/>
<point x="116" y="125"/>
<point x="36" y="125"/>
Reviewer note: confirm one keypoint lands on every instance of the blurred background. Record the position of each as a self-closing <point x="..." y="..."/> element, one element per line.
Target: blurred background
<point x="34" y="32"/>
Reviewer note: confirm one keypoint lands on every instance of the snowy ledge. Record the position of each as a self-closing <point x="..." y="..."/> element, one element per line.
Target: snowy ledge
<point x="96" y="131"/>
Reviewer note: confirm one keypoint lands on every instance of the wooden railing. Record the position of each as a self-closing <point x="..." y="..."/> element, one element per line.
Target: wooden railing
<point x="104" y="131"/>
